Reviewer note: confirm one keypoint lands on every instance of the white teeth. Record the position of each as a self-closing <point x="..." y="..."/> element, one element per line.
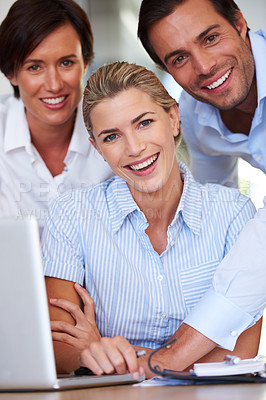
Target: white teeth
<point x="145" y="164"/>
<point x="214" y="85"/>
<point x="56" y="100"/>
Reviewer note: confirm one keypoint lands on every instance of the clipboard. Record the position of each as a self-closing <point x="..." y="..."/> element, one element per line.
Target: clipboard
<point x="190" y="378"/>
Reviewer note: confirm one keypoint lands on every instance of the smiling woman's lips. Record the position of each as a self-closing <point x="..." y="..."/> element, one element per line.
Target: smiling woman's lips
<point x="53" y="100"/>
<point x="145" y="170"/>
<point x="143" y="165"/>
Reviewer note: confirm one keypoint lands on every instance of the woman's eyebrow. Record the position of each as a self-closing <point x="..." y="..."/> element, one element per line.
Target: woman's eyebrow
<point x="141" y="116"/>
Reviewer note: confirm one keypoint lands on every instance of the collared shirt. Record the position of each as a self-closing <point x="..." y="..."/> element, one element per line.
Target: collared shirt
<point x="214" y="150"/>
<point x="26" y="185"/>
<point x="238" y="292"/>
<point x="96" y="237"/>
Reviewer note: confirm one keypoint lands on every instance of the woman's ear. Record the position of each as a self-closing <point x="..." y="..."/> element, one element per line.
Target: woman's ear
<point x="92" y="141"/>
<point x="174" y="116"/>
<point x="12" y="79"/>
<point x="86" y="66"/>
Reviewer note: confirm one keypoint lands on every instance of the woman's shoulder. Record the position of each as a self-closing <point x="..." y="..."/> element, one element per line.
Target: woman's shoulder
<point x="9" y="105"/>
<point x="8" y="101"/>
<point x="94" y="195"/>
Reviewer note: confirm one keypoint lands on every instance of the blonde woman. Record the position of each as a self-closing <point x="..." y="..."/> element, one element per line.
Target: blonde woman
<point x="145" y="244"/>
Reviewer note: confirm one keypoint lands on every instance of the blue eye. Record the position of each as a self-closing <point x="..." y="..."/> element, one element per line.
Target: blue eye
<point x="146" y="122"/>
<point x="110" y="138"/>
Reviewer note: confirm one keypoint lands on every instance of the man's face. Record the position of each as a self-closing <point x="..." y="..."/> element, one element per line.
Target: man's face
<point x="205" y="54"/>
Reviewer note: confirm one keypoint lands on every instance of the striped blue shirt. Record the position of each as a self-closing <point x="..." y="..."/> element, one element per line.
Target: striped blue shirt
<point x="96" y="236"/>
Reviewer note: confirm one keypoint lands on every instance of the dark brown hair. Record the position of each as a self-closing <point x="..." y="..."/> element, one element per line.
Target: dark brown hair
<point x="152" y="11"/>
<point x="28" y="22"/>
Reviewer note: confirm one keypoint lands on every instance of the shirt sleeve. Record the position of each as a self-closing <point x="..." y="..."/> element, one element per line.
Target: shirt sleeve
<point x="61" y="250"/>
<point x="237" y="297"/>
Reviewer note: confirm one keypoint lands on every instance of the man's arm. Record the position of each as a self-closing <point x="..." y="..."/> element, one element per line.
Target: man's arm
<point x="238" y="295"/>
<point x="111" y="355"/>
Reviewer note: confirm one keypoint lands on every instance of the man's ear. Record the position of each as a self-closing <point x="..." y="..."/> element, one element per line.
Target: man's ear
<point x="174" y="116"/>
<point x="241" y="24"/>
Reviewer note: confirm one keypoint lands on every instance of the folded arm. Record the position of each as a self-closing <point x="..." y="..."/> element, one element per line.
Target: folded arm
<point x="72" y="329"/>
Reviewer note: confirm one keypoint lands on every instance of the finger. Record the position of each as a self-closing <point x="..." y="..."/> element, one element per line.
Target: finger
<point x="114" y="355"/>
<point x="129" y="355"/>
<point x="88" y="302"/>
<point x="96" y="360"/>
<point x="73" y="309"/>
<point x="65" y="338"/>
<point x="65" y="327"/>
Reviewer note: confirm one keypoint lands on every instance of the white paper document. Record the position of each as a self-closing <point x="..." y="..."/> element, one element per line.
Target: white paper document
<point x="225" y="368"/>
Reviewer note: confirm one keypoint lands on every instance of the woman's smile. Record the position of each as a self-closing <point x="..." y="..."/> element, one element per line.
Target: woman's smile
<point x="138" y="141"/>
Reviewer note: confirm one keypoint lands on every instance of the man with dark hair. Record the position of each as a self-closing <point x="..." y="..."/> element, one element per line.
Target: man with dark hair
<point x="208" y="49"/>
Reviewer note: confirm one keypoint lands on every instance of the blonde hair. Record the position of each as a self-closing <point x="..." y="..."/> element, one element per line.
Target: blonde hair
<point x="111" y="79"/>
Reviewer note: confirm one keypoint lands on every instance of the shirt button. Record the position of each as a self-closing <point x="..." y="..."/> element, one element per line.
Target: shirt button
<point x="172" y="243"/>
<point x="234" y="333"/>
<point x="163" y="315"/>
<point x="160" y="278"/>
<point x="258" y="158"/>
<point x="222" y="137"/>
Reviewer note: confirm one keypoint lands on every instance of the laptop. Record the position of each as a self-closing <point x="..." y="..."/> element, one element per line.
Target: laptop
<point x="26" y="351"/>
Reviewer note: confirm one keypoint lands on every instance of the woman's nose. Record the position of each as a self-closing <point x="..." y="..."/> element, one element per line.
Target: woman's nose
<point x="54" y="82"/>
<point x="135" y="144"/>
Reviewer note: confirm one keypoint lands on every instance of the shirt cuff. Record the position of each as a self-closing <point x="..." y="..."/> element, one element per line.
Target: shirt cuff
<point x="219" y="319"/>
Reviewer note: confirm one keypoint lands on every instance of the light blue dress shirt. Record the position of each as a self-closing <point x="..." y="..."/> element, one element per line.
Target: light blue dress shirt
<point x="239" y="284"/>
<point x="96" y="236"/>
<point x="214" y="150"/>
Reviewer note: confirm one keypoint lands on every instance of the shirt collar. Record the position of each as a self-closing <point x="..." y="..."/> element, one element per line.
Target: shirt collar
<point x="121" y="202"/>
<point x="18" y="134"/>
<point x="80" y="139"/>
<point x="190" y="205"/>
<point x="258" y="45"/>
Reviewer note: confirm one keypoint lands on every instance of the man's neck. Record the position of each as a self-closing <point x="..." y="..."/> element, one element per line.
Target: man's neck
<point x="239" y="119"/>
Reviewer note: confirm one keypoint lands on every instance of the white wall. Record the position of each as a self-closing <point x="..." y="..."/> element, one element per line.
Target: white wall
<point x="254" y="12"/>
<point x="5" y="86"/>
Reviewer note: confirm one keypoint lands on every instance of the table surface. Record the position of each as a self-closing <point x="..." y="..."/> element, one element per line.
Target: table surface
<point x="128" y="392"/>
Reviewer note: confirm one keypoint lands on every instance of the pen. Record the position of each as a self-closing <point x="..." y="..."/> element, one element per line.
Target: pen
<point x="231" y="360"/>
<point x="140" y="353"/>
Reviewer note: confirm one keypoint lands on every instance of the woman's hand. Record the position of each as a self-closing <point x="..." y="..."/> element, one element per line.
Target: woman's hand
<point x="110" y="355"/>
<point x="85" y="331"/>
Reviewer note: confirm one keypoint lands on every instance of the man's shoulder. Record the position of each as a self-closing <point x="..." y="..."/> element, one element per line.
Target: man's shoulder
<point x="186" y="100"/>
<point x="222" y="193"/>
